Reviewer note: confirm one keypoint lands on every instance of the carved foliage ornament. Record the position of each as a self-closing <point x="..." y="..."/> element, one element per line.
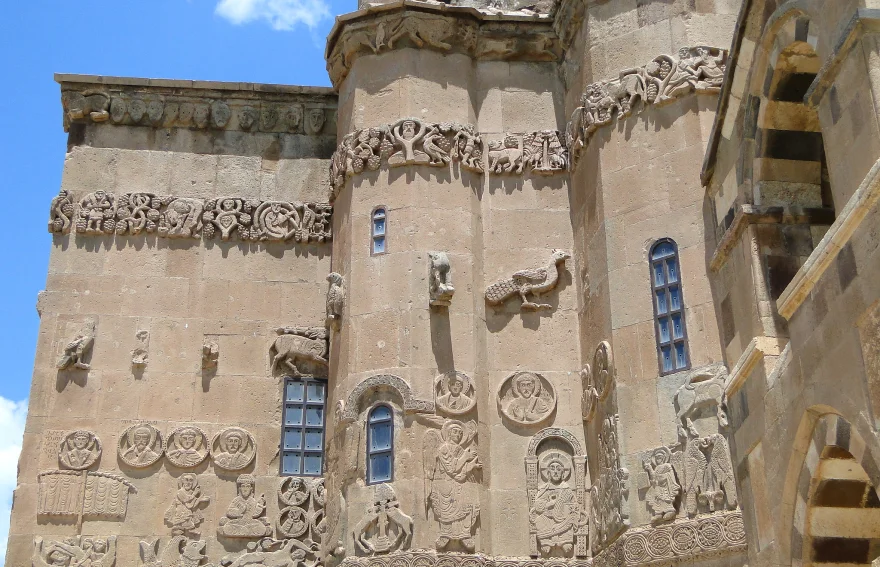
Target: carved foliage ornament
<point x="610" y="488"/>
<point x="75" y="551"/>
<point x="100" y="213"/>
<point x="159" y="110"/>
<point x="695" y="69"/>
<point x="543" y="152"/>
<point x="526" y="398"/>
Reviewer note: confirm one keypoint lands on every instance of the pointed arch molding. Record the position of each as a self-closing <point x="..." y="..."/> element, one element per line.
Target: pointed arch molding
<point x="831" y="430"/>
<point x="386" y="381"/>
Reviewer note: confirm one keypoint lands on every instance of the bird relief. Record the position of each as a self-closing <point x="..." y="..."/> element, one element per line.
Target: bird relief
<point x="534" y="282"/>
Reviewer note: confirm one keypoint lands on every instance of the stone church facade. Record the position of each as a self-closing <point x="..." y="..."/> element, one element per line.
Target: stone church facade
<point x="573" y="282"/>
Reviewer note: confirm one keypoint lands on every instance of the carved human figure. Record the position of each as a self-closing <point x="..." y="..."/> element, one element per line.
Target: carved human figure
<point x="182" y="218"/>
<point x="184" y="514"/>
<point x="453" y="487"/>
<point x="664" y="487"/>
<point x="79" y="450"/>
<point x="244" y="515"/>
<point x="527" y="405"/>
<point x="710" y="72"/>
<point x="75" y="551"/>
<point x="76" y="350"/>
<point x="95" y="208"/>
<point x="455" y="393"/>
<point x="407" y="133"/>
<point x="187" y="446"/>
<point x="316" y="120"/>
<point x="60" y="212"/>
<point x="233" y="449"/>
<point x="555" y="512"/>
<point x="140" y="445"/>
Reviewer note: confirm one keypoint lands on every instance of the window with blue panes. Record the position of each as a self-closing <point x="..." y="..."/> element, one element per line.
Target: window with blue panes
<point x="302" y="442"/>
<point x="378" y="231"/>
<point x="380" y="445"/>
<point x="672" y="347"/>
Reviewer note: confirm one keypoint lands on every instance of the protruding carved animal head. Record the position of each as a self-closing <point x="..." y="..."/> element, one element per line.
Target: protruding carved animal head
<point x="194" y="551"/>
<point x="334" y="278"/>
<point x="560" y="256"/>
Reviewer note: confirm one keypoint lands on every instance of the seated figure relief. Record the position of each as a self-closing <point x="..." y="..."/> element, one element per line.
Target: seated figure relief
<point x="245" y="514"/>
<point x="555" y="512"/>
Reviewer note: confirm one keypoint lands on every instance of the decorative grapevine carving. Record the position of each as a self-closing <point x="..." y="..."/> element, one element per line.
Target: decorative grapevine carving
<point x="536" y="281"/>
<point x="74" y="551"/>
<point x="557" y="495"/>
<point x="409" y="141"/>
<point x="168" y="216"/>
<point x="695" y="69"/>
<point x="541" y="152"/>
<point x="141" y="445"/>
<point x="610" y="489"/>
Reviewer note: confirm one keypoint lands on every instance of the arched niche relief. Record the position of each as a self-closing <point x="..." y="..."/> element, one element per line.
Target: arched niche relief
<point x="837" y="509"/>
<point x="783" y="154"/>
<point x="557" y="495"/>
<point x="383" y="382"/>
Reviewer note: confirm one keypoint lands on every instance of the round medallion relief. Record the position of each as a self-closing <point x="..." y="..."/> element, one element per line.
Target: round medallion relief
<point x="527" y="398"/>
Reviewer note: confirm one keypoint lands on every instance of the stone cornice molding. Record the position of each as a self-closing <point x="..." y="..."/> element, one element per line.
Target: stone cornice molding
<point x="711" y="535"/>
<point x="200" y="105"/>
<point x="413" y="141"/>
<point x="756" y="350"/>
<point x="439" y="27"/>
<point x="698" y="69"/>
<point x="101" y="213"/>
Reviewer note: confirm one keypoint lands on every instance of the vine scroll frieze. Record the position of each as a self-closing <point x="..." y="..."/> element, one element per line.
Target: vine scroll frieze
<point x="168" y="216"/>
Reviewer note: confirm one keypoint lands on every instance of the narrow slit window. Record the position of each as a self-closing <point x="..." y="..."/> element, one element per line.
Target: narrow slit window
<point x="302" y="439"/>
<point x="378" y="227"/>
<point x="380" y="445"/>
<point x="672" y="348"/>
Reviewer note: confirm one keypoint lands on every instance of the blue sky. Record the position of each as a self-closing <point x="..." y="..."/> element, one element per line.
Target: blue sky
<point x="265" y="41"/>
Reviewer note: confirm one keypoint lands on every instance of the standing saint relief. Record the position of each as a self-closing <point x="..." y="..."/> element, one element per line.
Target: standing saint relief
<point x="453" y="473"/>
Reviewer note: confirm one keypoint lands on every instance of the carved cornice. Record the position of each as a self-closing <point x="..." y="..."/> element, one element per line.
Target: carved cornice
<point x="199" y="105"/>
<point x="683" y="540"/>
<point x="412" y="141"/>
<point x="439" y="27"/>
<point x="694" y="70"/>
<point x="101" y="213"/>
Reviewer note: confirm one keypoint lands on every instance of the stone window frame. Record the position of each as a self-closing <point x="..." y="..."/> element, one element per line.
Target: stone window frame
<point x="288" y="405"/>
<point x="665" y="287"/>
<point x="374" y="235"/>
<point x="379" y="452"/>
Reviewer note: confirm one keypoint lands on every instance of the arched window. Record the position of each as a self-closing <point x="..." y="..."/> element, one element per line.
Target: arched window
<point x="380" y="445"/>
<point x="377" y="230"/>
<point x="672" y="350"/>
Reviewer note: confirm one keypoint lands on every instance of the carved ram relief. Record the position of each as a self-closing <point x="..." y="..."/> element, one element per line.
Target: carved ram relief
<point x="101" y="213"/>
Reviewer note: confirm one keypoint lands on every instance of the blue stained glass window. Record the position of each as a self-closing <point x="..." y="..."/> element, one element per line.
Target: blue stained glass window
<point x="672" y="349"/>
<point x="302" y="439"/>
<point x="380" y="445"/>
<point x="377" y="231"/>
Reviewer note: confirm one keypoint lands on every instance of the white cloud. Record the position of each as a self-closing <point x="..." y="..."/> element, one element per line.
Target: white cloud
<point x="281" y="14"/>
<point x="12" y="416"/>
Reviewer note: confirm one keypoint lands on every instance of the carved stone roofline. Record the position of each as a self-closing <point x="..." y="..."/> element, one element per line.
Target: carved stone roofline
<point x="481" y="34"/>
<point x="75" y="81"/>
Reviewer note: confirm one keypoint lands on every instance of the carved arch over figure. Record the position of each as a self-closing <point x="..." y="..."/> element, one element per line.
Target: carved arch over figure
<point x="823" y="440"/>
<point x="549" y="432"/>
<point x="403" y="389"/>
